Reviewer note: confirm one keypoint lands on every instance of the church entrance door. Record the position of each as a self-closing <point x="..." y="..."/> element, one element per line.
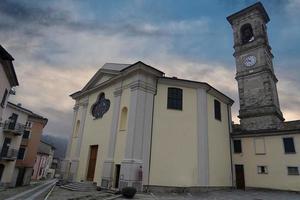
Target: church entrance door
<point x="92" y="162"/>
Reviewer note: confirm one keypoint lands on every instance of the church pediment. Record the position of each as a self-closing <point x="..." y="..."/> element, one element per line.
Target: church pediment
<point x="106" y="72"/>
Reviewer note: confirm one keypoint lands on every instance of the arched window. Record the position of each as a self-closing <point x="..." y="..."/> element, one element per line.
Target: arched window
<point x="123" y="121"/>
<point x="76" y="131"/>
<point x="247" y="33"/>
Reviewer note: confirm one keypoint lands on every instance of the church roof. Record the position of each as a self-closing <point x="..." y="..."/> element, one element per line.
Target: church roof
<point x="117" y="70"/>
<point x="115" y="66"/>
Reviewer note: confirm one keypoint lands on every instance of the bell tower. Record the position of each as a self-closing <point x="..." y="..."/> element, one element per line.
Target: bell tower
<point x="259" y="103"/>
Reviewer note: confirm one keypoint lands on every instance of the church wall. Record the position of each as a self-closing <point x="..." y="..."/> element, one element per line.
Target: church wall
<point x="219" y="146"/>
<point x="274" y="158"/>
<point x="122" y="133"/>
<point x="96" y="132"/>
<point x="174" y="140"/>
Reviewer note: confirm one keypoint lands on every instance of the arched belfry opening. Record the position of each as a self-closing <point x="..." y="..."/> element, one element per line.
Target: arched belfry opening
<point x="247" y="33"/>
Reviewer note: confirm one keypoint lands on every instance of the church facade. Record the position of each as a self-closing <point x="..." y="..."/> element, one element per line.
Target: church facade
<point x="133" y="126"/>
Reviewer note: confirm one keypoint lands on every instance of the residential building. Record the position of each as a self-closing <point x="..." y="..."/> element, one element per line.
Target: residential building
<point x="21" y="129"/>
<point x="29" y="147"/>
<point x="133" y="126"/>
<point x="265" y="147"/>
<point x="8" y="79"/>
<point x="43" y="162"/>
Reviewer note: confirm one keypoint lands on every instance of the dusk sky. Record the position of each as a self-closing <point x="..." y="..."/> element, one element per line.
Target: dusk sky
<point x="58" y="45"/>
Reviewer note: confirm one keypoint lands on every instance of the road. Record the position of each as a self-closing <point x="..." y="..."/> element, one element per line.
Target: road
<point x="36" y="193"/>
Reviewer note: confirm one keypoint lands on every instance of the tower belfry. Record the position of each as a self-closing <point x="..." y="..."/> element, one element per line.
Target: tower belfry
<point x="259" y="103"/>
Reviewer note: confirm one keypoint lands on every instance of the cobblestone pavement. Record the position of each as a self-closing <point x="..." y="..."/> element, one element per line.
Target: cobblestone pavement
<point x="62" y="194"/>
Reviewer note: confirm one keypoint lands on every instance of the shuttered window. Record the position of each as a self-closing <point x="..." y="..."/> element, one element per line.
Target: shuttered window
<point x="217" y="109"/>
<point x="175" y="98"/>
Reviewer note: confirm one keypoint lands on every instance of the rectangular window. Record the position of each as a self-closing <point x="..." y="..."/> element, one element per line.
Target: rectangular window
<point x="293" y="170"/>
<point x="26" y="134"/>
<point x="4" y="98"/>
<point x="217" y="110"/>
<point x="289" y="146"/>
<point x="237" y="146"/>
<point x="175" y="98"/>
<point x="262" y="169"/>
<point x="21" y="153"/>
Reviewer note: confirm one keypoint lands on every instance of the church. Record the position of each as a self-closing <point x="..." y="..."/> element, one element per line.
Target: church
<point x="134" y="126"/>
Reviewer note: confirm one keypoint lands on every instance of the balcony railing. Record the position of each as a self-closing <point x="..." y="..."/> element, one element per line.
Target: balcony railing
<point x="12" y="127"/>
<point x="9" y="154"/>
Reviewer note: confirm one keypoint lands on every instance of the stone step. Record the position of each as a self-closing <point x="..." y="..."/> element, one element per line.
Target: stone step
<point x="80" y="186"/>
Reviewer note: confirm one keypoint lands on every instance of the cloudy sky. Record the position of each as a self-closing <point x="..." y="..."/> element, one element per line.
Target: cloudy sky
<point x="59" y="44"/>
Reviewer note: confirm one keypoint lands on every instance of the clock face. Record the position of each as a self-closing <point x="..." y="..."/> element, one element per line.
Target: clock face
<point x="250" y="61"/>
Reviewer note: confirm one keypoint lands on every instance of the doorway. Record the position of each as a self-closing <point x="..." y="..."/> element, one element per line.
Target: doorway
<point x="20" y="176"/>
<point x="1" y="170"/>
<point x="13" y="120"/>
<point x="92" y="162"/>
<point x="5" y="147"/>
<point x="239" y="176"/>
<point x="117" y="175"/>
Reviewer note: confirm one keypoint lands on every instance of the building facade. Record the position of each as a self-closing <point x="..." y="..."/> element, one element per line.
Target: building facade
<point x="42" y="167"/>
<point x="135" y="127"/>
<point x="265" y="147"/>
<point x="29" y="147"/>
<point x="8" y="79"/>
<point x="21" y="128"/>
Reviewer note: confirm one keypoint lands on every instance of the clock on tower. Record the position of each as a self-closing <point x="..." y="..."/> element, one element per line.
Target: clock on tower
<point x="259" y="104"/>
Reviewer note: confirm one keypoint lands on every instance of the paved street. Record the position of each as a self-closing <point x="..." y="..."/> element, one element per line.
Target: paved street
<point x="32" y="192"/>
<point x="62" y="194"/>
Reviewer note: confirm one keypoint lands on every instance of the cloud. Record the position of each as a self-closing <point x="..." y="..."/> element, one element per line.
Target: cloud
<point x="57" y="48"/>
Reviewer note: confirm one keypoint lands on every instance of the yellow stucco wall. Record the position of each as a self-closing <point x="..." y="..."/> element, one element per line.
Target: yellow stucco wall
<point x="174" y="141"/>
<point x="218" y="146"/>
<point x="96" y="132"/>
<point x="275" y="159"/>
<point x="122" y="134"/>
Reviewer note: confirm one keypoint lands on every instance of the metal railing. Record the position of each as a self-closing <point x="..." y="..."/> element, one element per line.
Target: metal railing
<point x="8" y="153"/>
<point x="13" y="127"/>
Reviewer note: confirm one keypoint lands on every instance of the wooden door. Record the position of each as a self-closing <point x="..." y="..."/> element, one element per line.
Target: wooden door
<point x="240" y="178"/>
<point x="92" y="162"/>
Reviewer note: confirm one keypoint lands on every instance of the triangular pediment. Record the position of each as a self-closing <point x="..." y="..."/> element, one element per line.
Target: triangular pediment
<point x="106" y="72"/>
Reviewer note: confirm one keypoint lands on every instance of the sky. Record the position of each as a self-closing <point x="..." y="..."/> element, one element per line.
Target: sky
<point x="58" y="45"/>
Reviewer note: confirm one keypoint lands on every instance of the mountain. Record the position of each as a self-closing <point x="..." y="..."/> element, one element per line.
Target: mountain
<point x="60" y="145"/>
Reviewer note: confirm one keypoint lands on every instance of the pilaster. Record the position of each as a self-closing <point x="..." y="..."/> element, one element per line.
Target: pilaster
<point x="108" y="165"/>
<point x="202" y="136"/>
<point x="135" y="166"/>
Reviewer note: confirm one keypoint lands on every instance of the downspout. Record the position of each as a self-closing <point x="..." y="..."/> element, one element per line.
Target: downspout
<point x="151" y="135"/>
<point x="230" y="145"/>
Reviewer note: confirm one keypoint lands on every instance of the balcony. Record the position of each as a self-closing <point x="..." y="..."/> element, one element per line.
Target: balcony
<point x="8" y="154"/>
<point x="13" y="128"/>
